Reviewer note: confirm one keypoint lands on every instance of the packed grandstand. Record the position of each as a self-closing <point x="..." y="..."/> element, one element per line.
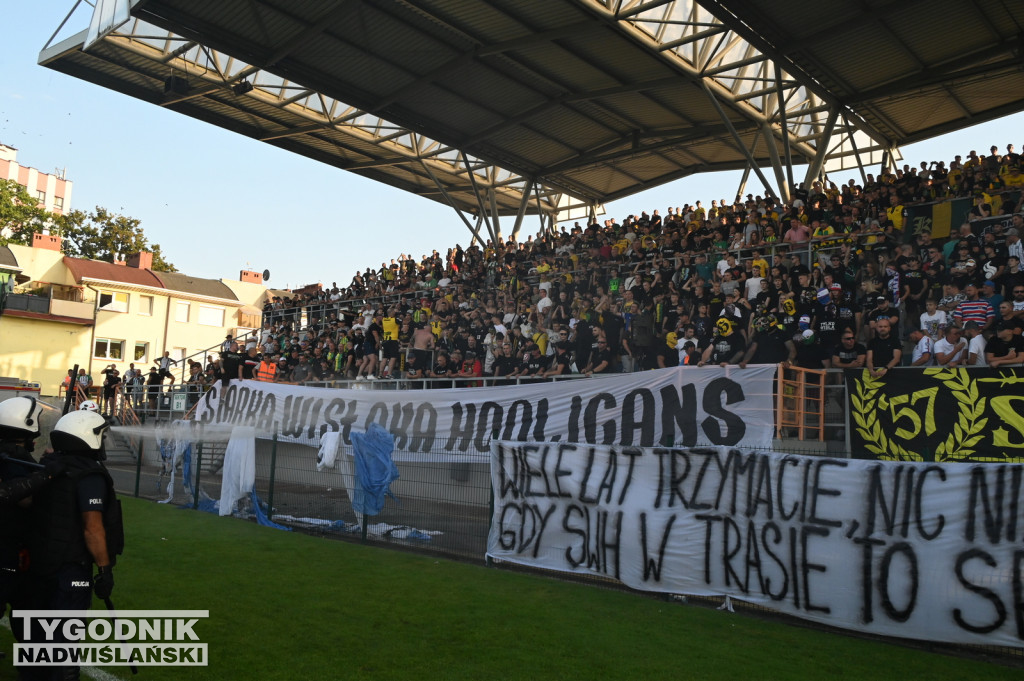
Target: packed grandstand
<point x="813" y="282"/>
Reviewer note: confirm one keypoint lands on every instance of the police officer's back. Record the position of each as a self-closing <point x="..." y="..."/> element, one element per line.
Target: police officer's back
<point x="68" y="517"/>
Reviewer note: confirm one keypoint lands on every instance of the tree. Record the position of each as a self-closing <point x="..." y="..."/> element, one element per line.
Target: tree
<point x="20" y="214"/>
<point x="99" y="235"/>
<point x="103" y="235"/>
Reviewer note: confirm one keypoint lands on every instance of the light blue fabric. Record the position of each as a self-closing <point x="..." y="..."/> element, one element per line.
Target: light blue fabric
<point x="375" y="469"/>
<point x="261" y="515"/>
<point x="186" y="467"/>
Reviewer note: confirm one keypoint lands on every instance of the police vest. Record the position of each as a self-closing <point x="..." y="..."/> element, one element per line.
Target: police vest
<point x="57" y="529"/>
<point x="266" y="371"/>
<point x="14" y="521"/>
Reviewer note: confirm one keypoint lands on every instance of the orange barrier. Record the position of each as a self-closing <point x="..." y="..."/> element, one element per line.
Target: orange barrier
<point x="800" y="403"/>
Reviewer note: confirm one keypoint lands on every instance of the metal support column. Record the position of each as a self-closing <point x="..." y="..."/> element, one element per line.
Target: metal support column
<point x="540" y="207"/>
<point x="475" y="232"/>
<point x="479" y="199"/>
<point x="773" y="154"/>
<point x="736" y="138"/>
<point x="524" y="202"/>
<point x="494" y="216"/>
<point x="856" y="152"/>
<point x="746" y="171"/>
<point x="785" y="131"/>
<point x="814" y="167"/>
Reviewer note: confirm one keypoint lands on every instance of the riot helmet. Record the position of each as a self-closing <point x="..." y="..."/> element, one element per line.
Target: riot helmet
<point x="80" y="432"/>
<point x="19" y="418"/>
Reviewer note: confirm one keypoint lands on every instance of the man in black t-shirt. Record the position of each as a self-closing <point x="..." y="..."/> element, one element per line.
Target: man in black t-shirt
<point x="726" y="347"/>
<point x="562" y="361"/>
<point x="1006" y="347"/>
<point x="250" y="361"/>
<point x="849" y="354"/>
<point x="505" y="363"/>
<point x="884" y="350"/>
<point x="153" y="383"/>
<point x="535" y="363"/>
<point x="230" y="364"/>
<point x="770" y="344"/>
<point x="601" y="359"/>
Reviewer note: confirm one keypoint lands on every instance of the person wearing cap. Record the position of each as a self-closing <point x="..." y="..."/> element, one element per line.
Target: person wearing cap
<point x="962" y="265"/>
<point x="990" y="292"/>
<point x="1005" y="348"/>
<point x="111" y="381"/>
<point x="883" y="310"/>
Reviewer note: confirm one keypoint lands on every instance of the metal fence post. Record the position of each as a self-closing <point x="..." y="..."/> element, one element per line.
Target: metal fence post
<point x="138" y="466"/>
<point x="273" y="470"/>
<point x="199" y="472"/>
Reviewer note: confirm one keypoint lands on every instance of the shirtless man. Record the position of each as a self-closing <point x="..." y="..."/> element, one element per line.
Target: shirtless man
<point x="422" y="346"/>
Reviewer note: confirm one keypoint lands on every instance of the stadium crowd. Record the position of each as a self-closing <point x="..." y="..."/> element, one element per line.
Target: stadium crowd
<point x="837" y="277"/>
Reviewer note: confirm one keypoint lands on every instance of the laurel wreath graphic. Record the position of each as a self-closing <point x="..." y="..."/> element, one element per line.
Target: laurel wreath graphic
<point x="969" y="428"/>
<point x="866" y="417"/>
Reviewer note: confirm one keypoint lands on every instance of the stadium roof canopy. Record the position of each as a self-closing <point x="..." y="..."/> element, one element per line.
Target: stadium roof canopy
<point x="509" y="107"/>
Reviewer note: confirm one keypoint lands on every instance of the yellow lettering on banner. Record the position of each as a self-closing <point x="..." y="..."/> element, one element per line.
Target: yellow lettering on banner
<point x="1003" y="405"/>
<point x="910" y="414"/>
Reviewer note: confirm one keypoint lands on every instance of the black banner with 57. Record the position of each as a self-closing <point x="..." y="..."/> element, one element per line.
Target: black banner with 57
<point x="938" y="414"/>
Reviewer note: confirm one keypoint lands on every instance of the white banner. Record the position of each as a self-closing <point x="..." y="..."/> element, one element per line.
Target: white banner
<point x="707" y="406"/>
<point x="914" y="550"/>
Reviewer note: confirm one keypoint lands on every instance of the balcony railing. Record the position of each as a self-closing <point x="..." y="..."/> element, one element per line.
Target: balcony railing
<point x="26" y="302"/>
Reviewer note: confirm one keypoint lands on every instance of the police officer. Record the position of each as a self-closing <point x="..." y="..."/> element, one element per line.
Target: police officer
<point x="19" y="427"/>
<point x="68" y="528"/>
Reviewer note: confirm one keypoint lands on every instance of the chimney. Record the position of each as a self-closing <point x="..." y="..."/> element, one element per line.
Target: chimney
<point x="141" y="261"/>
<point x="250" y="277"/>
<point x="48" y="242"/>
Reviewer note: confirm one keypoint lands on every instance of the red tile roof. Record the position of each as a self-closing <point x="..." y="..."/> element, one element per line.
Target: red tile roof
<point x="97" y="269"/>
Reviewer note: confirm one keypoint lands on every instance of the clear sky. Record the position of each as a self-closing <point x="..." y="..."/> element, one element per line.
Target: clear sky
<point x="217" y="202"/>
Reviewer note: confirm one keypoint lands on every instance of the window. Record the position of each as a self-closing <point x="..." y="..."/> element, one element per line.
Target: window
<point x="211" y="316"/>
<point x="146" y="305"/>
<point x="181" y="312"/>
<point x="108" y="349"/>
<point x="41" y="195"/>
<point x="58" y="202"/>
<point x="141" y="351"/>
<point x="113" y="301"/>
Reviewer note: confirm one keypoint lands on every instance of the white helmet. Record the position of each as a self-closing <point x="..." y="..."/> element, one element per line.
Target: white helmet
<point x="19" y="418"/>
<point x="88" y="405"/>
<point x="79" y="431"/>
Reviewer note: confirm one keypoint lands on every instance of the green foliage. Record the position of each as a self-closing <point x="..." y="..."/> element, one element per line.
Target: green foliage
<point x="98" y="235"/>
<point x="20" y="214"/>
<point x="104" y="235"/>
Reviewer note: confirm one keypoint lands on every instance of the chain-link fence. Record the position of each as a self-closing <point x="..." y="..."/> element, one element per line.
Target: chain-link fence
<point x="440" y="501"/>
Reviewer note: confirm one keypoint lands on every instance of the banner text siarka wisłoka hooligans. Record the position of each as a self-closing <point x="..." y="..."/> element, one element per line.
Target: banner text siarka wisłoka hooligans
<point x="685" y="406"/>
